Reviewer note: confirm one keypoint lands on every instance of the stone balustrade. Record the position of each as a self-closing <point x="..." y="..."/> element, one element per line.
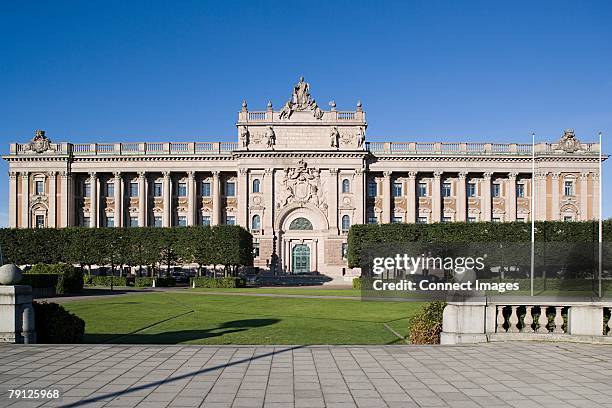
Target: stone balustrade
<point x="471" y="148"/>
<point x="528" y="318"/>
<point x="133" y="148"/>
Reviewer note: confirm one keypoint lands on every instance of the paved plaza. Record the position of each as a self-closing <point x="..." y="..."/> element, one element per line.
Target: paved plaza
<point x="488" y="375"/>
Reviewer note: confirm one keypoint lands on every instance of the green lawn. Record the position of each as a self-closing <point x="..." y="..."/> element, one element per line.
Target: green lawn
<point x="170" y="318"/>
<point x="308" y="291"/>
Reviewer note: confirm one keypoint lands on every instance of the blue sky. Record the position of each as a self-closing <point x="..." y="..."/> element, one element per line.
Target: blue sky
<point x="425" y="70"/>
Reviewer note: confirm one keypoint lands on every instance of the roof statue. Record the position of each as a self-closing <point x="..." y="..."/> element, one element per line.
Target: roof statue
<point x="300" y="101"/>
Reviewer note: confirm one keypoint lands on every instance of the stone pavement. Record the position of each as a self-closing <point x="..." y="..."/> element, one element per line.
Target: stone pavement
<point x="487" y="375"/>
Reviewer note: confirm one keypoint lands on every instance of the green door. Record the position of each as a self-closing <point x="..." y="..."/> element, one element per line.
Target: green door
<point x="300" y="259"/>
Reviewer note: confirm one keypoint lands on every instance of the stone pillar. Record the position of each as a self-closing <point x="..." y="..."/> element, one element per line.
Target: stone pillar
<point x="25" y="199"/>
<point x="333" y="200"/>
<point x="142" y="199"/>
<point x="118" y="198"/>
<point x="16" y="315"/>
<point x="52" y="220"/>
<point x="66" y="199"/>
<point x="191" y="198"/>
<point x="268" y="192"/>
<point x="411" y="197"/>
<point x="167" y="196"/>
<point x="216" y="196"/>
<point x="486" y="197"/>
<point x="359" y="195"/>
<point x="242" y="191"/>
<point x="584" y="196"/>
<point x="555" y="216"/>
<point x="511" y="197"/>
<point x="436" y="201"/>
<point x="461" y="197"/>
<point x="13" y="199"/>
<point x="540" y="196"/>
<point x="93" y="205"/>
<point x="595" y="178"/>
<point x="585" y="320"/>
<point x="387" y="199"/>
<point x="464" y="322"/>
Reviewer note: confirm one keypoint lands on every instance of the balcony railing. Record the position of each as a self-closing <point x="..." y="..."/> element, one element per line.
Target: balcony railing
<point x="453" y="148"/>
<point x="151" y="148"/>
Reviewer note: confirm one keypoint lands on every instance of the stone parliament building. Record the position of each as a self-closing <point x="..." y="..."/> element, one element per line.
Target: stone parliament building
<point x="297" y="178"/>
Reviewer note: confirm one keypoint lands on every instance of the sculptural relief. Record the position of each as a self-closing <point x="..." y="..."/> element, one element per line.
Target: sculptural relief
<point x="300" y="101"/>
<point x="569" y="143"/>
<point x="301" y="185"/>
<point x="39" y="144"/>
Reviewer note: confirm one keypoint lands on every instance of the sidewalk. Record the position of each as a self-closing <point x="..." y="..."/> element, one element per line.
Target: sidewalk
<point x="488" y="375"/>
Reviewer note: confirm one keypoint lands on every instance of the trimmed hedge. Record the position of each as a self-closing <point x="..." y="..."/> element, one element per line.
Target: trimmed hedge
<point x="143" y="282"/>
<point x="204" y="282"/>
<point x="68" y="278"/>
<point x="40" y="280"/>
<point x="106" y="281"/>
<point x="426" y="326"/>
<point x="56" y="325"/>
<point x="362" y="236"/>
<point x="165" y="282"/>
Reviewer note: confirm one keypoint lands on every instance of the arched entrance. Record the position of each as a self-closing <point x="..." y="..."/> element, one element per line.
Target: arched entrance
<point x="301" y="259"/>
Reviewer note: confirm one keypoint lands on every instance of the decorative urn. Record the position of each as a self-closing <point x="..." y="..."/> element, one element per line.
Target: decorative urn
<point x="10" y="274"/>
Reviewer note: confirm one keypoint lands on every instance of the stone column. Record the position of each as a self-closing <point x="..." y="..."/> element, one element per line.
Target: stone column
<point x="595" y="178"/>
<point x="191" y="198"/>
<point x="461" y="197"/>
<point x="93" y="204"/>
<point x="118" y="198"/>
<point x="13" y="199"/>
<point x="167" y="196"/>
<point x="387" y="199"/>
<point x="333" y="200"/>
<point x="268" y="192"/>
<point x="25" y="199"/>
<point x="540" y="196"/>
<point x="436" y="201"/>
<point x="555" y="197"/>
<point x="315" y="261"/>
<point x="216" y="196"/>
<point x="242" y="192"/>
<point x="52" y="221"/>
<point x="411" y="198"/>
<point x="584" y="196"/>
<point x="66" y="199"/>
<point x="359" y="195"/>
<point x="142" y="199"/>
<point x="486" y="197"/>
<point x="511" y="197"/>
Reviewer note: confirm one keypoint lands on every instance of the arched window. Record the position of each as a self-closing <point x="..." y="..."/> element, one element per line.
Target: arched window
<point x="346" y="223"/>
<point x="256" y="185"/>
<point x="346" y="186"/>
<point x="256" y="223"/>
<point x="300" y="224"/>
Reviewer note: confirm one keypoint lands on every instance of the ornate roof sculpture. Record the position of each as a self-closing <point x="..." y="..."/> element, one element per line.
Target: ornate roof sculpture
<point x="39" y="144"/>
<point x="569" y="143"/>
<point x="300" y="101"/>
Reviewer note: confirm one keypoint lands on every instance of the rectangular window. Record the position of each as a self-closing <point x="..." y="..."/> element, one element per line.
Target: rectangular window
<point x="40" y="221"/>
<point x="40" y="187"/>
<point x="182" y="221"/>
<point x="230" y="220"/>
<point x="182" y="189"/>
<point x="520" y="190"/>
<point x="471" y="190"/>
<point x="397" y="220"/>
<point x="567" y="218"/>
<point x="446" y="189"/>
<point x="157" y="222"/>
<point x="520" y="219"/>
<point x="133" y="222"/>
<point x="86" y="222"/>
<point x="372" y="219"/>
<point x="422" y="190"/>
<point x="255" y="249"/>
<point x="422" y="220"/>
<point x="110" y="189"/>
<point x="205" y="189"/>
<point x="158" y="189"/>
<point x="397" y="189"/>
<point x="87" y="189"/>
<point x="133" y="189"/>
<point x="496" y="219"/>
<point x="372" y="189"/>
<point x="110" y="222"/>
<point x="206" y="220"/>
<point x="446" y="219"/>
<point x="569" y="188"/>
<point x="344" y="250"/>
<point x="496" y="190"/>
<point x="471" y="219"/>
<point x="230" y="189"/>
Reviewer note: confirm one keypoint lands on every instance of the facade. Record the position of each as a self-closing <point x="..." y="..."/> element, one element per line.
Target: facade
<point x="297" y="178"/>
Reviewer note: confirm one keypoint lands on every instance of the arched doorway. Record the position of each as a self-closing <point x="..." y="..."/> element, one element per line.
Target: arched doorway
<point x="301" y="259"/>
